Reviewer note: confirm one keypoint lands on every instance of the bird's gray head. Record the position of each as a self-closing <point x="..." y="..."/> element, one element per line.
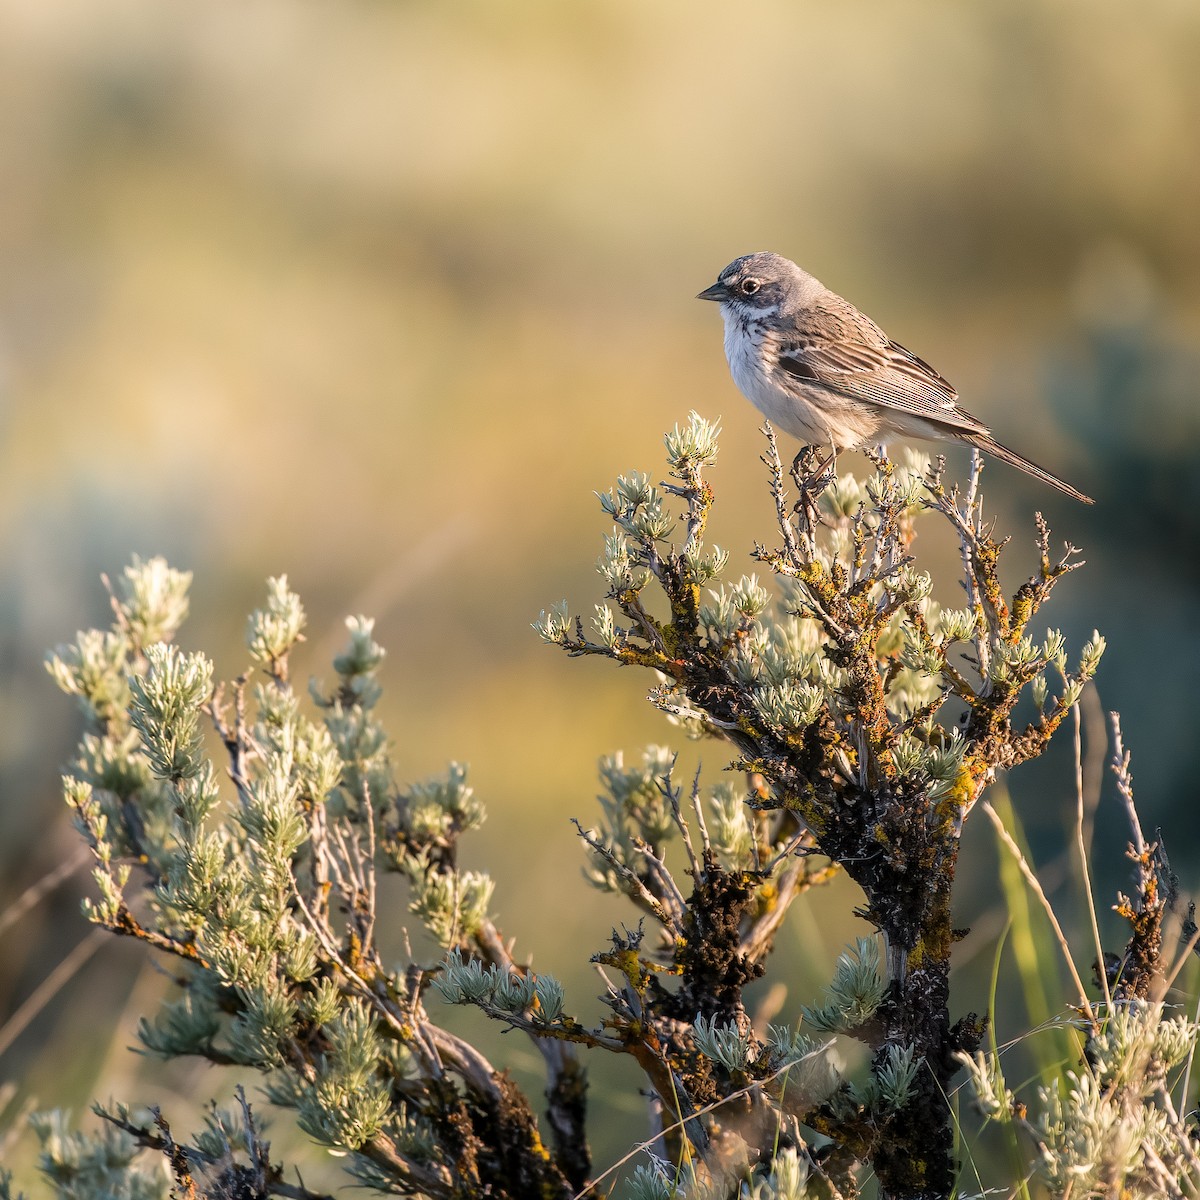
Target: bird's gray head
<point x="759" y="285"/>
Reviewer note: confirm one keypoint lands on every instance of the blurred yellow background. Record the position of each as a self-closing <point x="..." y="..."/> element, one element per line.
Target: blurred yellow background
<point x="378" y="294"/>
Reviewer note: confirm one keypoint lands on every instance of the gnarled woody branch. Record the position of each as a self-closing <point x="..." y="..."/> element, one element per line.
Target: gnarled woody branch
<point x="846" y="736"/>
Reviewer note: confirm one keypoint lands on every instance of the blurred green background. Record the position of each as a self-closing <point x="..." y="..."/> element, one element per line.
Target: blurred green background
<point x="378" y="294"/>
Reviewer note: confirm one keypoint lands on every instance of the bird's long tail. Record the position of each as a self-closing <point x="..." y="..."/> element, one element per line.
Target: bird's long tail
<point x="990" y="446"/>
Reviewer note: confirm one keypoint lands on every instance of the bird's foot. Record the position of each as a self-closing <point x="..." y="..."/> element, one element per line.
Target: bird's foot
<point x="812" y="475"/>
<point x="811" y="472"/>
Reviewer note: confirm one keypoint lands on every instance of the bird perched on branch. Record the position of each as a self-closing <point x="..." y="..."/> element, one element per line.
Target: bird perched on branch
<point x="825" y="373"/>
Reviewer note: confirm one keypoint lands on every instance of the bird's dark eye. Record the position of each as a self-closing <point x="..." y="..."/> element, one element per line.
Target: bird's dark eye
<point x="749" y="286"/>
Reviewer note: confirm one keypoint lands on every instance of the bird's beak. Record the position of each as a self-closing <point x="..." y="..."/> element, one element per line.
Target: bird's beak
<point x="717" y="292"/>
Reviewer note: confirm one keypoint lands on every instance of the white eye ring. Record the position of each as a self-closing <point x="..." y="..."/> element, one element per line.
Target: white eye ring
<point x="749" y="286"/>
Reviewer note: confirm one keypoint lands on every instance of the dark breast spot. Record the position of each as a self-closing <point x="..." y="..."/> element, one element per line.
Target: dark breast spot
<point x="799" y="368"/>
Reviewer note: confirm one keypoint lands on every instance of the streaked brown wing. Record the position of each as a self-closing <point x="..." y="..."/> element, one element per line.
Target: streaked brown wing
<point x="838" y="348"/>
